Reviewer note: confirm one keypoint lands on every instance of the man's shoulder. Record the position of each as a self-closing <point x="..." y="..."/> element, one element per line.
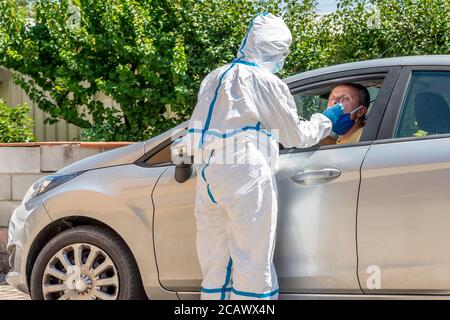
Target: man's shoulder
<point x="217" y="72"/>
<point x="358" y="132"/>
<point x="353" y="138"/>
<point x="269" y="79"/>
<point x="213" y="77"/>
<point x="263" y="76"/>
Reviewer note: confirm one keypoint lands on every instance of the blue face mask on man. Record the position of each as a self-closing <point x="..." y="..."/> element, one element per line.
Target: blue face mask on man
<point x="333" y="113"/>
<point x="341" y="121"/>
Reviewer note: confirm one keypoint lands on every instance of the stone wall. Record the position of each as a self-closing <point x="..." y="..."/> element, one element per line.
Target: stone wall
<point x="21" y="164"/>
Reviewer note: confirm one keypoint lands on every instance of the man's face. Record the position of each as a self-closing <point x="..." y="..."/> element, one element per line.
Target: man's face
<point x="347" y="96"/>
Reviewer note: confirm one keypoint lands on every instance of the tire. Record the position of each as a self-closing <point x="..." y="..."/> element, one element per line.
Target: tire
<point x="105" y="268"/>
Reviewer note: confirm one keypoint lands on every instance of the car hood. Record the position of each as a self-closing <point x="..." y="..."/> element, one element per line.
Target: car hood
<point x="115" y="157"/>
<point x="120" y="156"/>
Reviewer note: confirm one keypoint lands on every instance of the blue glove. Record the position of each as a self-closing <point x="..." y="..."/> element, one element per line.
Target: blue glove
<point x="333" y="113"/>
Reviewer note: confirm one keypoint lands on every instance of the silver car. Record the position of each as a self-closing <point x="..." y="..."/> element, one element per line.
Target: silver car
<point x="363" y="220"/>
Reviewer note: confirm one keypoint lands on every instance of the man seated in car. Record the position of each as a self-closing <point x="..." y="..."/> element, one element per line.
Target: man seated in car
<point x="356" y="99"/>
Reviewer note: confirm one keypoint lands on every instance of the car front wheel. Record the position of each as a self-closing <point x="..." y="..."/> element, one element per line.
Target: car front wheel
<point x="86" y="263"/>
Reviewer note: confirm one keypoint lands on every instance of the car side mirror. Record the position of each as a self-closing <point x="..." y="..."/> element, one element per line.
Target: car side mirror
<point x="183" y="172"/>
<point x="183" y="162"/>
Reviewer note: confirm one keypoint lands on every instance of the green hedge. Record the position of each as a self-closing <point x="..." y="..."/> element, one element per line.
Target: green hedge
<point x="150" y="56"/>
<point x="15" y="125"/>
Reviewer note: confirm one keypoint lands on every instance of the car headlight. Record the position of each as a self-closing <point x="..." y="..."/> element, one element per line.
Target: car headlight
<point x="47" y="183"/>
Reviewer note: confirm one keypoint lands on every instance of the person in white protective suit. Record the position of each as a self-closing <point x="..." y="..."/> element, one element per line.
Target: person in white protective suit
<point x="243" y="111"/>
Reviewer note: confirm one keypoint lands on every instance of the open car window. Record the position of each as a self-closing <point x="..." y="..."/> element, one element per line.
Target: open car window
<point x="315" y="100"/>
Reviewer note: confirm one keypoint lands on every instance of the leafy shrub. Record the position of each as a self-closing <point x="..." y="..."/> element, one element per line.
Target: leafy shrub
<point x="15" y="125"/>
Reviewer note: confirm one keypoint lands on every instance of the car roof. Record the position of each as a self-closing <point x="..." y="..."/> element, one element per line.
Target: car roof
<point x="427" y="60"/>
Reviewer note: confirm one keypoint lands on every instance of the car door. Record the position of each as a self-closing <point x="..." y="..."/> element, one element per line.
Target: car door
<point x="174" y="230"/>
<point x="318" y="191"/>
<point x="317" y="188"/>
<point x="403" y="213"/>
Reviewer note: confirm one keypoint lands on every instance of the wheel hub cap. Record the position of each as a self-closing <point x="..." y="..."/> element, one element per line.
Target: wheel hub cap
<point x="80" y="272"/>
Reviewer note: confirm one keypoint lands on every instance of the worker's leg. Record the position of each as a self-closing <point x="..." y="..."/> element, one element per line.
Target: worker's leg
<point x="253" y="222"/>
<point x="248" y="191"/>
<point x="212" y="245"/>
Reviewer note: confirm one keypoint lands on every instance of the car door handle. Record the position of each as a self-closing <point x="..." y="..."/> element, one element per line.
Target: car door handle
<point x="306" y="176"/>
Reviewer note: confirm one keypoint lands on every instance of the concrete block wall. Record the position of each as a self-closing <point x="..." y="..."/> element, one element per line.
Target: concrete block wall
<point x="21" y="164"/>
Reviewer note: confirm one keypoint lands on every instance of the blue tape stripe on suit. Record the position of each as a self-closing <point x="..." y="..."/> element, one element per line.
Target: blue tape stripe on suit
<point x="227" y="279"/>
<point x="211" y="106"/>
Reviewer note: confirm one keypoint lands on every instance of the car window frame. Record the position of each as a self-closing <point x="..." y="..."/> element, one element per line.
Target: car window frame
<point x="142" y="161"/>
<point x="392" y="115"/>
<point x="372" y="127"/>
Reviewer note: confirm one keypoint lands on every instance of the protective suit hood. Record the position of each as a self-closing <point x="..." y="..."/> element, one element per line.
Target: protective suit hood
<point x="266" y="42"/>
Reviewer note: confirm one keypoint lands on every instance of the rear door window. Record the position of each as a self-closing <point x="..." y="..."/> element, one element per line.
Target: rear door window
<point x="425" y="111"/>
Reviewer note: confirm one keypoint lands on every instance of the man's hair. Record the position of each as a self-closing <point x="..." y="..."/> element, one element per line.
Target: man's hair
<point x="363" y="93"/>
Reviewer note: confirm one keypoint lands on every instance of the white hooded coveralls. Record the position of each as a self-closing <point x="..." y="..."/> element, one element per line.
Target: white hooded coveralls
<point x="243" y="104"/>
